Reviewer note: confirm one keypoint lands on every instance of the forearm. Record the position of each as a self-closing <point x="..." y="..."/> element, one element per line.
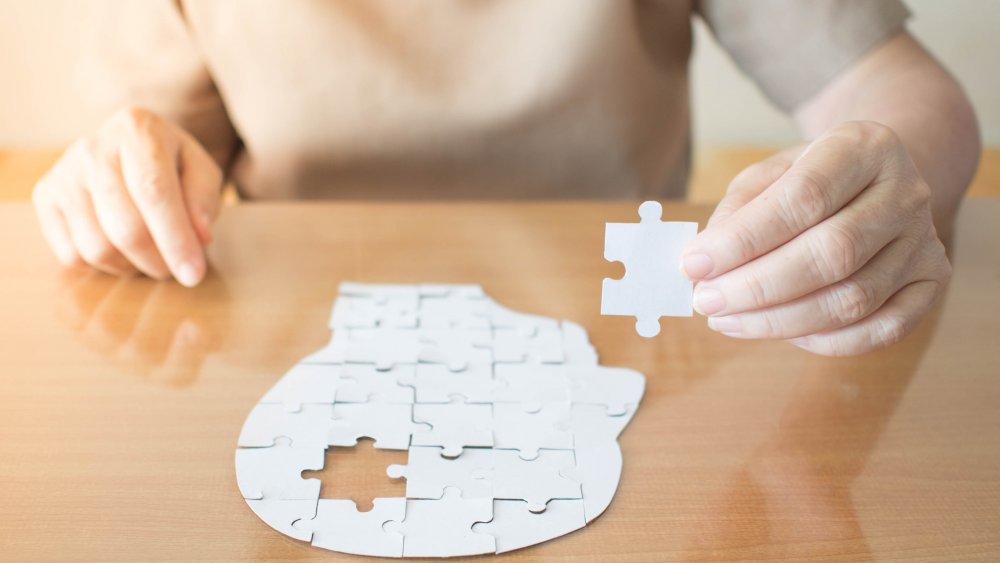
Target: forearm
<point x="901" y="86"/>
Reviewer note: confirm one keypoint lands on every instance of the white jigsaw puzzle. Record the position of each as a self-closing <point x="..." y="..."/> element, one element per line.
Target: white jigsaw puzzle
<point x="510" y="424"/>
<point x="653" y="285"/>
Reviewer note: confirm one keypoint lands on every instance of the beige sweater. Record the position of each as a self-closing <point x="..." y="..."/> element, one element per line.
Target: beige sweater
<point x="457" y="98"/>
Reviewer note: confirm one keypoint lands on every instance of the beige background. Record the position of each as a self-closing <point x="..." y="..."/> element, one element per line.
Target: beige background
<point x="38" y="108"/>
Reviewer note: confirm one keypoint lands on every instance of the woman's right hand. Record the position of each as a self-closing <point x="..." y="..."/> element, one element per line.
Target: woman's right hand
<point x="139" y="195"/>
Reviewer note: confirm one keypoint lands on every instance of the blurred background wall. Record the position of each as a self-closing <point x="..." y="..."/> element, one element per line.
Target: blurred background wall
<point x="38" y="39"/>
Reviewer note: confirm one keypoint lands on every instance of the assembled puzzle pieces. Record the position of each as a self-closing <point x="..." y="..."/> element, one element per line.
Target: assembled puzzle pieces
<point x="510" y="424"/>
<point x="653" y="285"/>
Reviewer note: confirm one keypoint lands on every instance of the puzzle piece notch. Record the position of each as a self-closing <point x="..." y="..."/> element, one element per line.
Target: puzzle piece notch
<point x="653" y="285"/>
<point x="537" y="481"/>
<point x="339" y="526"/>
<point x="544" y="345"/>
<point x="532" y="385"/>
<point x="275" y="472"/>
<point x="281" y="514"/>
<point x="443" y="527"/>
<point x="457" y="348"/>
<point x="454" y="426"/>
<point x="428" y="472"/>
<point x="390" y="425"/>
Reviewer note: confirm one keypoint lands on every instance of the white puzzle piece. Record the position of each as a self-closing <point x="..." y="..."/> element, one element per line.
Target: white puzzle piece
<point x="363" y="383"/>
<point x="371" y="312"/>
<point x="529" y="431"/>
<point x="510" y="425"/>
<point x="390" y="425"/>
<point x="537" y="481"/>
<point x="514" y="526"/>
<point x="281" y="514"/>
<point x="454" y="426"/>
<point x="307" y="383"/>
<point x="616" y="388"/>
<point x="435" y="383"/>
<point x="653" y="285"/>
<point x="340" y="527"/>
<point x="443" y="527"/>
<point x="428" y="473"/>
<point x="275" y="472"/>
<point x="308" y="424"/>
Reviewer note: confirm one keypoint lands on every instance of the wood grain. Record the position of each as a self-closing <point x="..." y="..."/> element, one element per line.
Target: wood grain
<point x="121" y="400"/>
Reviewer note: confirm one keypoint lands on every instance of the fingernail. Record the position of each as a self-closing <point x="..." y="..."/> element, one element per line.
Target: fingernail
<point x="708" y="301"/>
<point x="696" y="266"/>
<point x="188" y="274"/>
<point x="726" y="325"/>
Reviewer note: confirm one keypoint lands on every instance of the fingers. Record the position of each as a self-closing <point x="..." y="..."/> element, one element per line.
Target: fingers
<point x="823" y="255"/>
<point x="753" y="180"/>
<point x="53" y="225"/>
<point x="120" y="219"/>
<point x="88" y="238"/>
<point x="831" y="307"/>
<point x="201" y="182"/>
<point x="806" y="194"/>
<point x="888" y="325"/>
<point x="149" y="167"/>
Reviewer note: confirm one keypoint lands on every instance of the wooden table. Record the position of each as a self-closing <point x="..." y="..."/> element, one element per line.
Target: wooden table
<point x="121" y="401"/>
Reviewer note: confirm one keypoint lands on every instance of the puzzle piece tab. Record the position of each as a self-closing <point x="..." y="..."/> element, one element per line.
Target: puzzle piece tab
<point x="653" y="285"/>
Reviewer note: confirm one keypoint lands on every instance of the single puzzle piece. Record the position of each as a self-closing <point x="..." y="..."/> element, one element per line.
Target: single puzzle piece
<point x="653" y="285"/>
<point x="457" y="348"/>
<point x="537" y="481"/>
<point x="275" y="472"/>
<point x="598" y="469"/>
<point x="454" y="426"/>
<point x="435" y="383"/>
<point x="617" y="388"/>
<point x="390" y="425"/>
<point x="428" y="473"/>
<point x="591" y="425"/>
<point x="307" y="383"/>
<point x="281" y="514"/>
<point x="455" y="309"/>
<point x="514" y="526"/>
<point x="532" y="385"/>
<point x="528" y="432"/>
<point x="364" y="383"/>
<point x="501" y="317"/>
<point x="339" y="526"/>
<point x="371" y="312"/>
<point x="576" y="346"/>
<point x="308" y="424"/>
<point x="443" y="527"/>
<point x="545" y="345"/>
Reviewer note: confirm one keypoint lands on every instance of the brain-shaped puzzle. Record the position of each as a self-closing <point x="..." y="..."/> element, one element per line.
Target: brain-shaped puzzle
<point x="510" y="425"/>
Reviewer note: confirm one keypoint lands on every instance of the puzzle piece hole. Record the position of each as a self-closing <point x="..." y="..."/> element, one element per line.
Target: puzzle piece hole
<point x="358" y="473"/>
<point x="617" y="270"/>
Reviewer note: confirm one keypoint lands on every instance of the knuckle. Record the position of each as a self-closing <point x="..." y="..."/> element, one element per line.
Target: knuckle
<point x="135" y="117"/>
<point x="152" y="187"/>
<point x="129" y="236"/>
<point x="836" y="253"/>
<point x="889" y="330"/>
<point x="867" y="133"/>
<point x="758" y="288"/>
<point x="807" y="201"/>
<point x="745" y="240"/>
<point x="851" y="301"/>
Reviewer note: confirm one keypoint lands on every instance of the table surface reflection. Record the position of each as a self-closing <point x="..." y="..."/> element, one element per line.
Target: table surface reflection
<point x="121" y="400"/>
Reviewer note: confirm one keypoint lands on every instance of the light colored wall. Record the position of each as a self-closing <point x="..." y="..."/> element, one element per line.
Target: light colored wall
<point x="38" y="39"/>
